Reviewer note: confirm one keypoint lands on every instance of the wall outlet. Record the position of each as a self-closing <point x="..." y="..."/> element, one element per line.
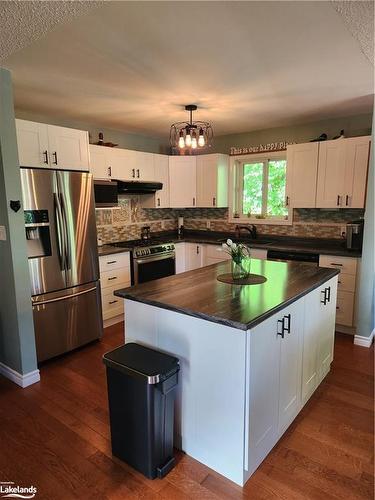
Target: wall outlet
<point x="3" y="233"/>
<point x="208" y="224"/>
<point x="162" y="224"/>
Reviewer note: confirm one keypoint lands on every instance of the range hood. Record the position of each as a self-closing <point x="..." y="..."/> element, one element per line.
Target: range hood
<point x="138" y="187"/>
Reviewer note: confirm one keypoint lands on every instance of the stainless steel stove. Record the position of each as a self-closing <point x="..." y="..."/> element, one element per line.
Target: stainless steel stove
<point x="150" y="259"/>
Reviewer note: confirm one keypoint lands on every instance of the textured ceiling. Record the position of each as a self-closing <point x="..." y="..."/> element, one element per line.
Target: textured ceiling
<point x="359" y="18"/>
<point x="23" y="22"/>
<point x="248" y="65"/>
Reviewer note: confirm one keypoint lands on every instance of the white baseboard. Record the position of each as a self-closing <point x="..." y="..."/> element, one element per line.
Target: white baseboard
<point x="21" y="380"/>
<point x="364" y="341"/>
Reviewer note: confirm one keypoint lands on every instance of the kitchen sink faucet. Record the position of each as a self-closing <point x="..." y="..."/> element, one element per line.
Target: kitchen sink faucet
<point x="252" y="230"/>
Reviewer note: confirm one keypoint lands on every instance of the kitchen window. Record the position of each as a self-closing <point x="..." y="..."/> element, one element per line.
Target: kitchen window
<point x="260" y="190"/>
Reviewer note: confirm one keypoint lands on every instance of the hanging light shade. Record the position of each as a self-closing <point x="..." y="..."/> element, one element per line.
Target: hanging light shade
<point x="191" y="134"/>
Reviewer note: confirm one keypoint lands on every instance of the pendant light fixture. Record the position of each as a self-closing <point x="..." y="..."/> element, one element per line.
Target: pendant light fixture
<point x="191" y="134"/>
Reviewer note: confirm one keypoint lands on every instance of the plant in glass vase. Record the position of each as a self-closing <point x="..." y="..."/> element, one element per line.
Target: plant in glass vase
<point x="240" y="259"/>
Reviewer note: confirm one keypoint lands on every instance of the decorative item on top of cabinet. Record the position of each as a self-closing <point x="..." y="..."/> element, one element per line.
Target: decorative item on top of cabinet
<point x="301" y="175"/>
<point x="212" y="180"/>
<point x="49" y="146"/>
<point x="342" y="173"/>
<point x="182" y="181"/>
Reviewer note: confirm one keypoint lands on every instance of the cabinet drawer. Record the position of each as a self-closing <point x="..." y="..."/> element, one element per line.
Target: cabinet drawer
<point x="115" y="277"/>
<point x="114" y="261"/>
<point x="346" y="282"/>
<point x="112" y="305"/>
<point x="345" y="308"/>
<point x="347" y="265"/>
<point x="216" y="252"/>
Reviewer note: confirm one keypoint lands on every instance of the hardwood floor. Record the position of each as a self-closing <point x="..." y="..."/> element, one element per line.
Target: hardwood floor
<point x="55" y="435"/>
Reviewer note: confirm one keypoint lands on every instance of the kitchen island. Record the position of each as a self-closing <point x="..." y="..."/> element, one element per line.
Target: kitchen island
<point x="251" y="355"/>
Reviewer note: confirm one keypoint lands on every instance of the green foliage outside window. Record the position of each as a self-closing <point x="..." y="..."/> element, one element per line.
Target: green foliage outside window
<point x="264" y="189"/>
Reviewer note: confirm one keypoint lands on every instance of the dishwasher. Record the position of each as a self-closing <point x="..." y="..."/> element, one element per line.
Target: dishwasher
<point x="280" y="255"/>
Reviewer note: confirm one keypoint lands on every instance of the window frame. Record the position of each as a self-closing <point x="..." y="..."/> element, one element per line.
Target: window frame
<point x="236" y="189"/>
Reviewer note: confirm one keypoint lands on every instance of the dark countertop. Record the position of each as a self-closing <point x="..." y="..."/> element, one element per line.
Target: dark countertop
<point x="268" y="242"/>
<point x="110" y="249"/>
<point x="198" y="293"/>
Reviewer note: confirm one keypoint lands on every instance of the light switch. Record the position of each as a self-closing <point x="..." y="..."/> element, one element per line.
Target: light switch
<point x="3" y="233"/>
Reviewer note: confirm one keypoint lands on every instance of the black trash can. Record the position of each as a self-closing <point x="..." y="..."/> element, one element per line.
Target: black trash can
<point x="141" y="392"/>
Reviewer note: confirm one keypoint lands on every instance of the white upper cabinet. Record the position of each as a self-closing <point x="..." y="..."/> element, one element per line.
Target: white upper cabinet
<point x="112" y="163"/>
<point x="161" y="163"/>
<point x="161" y="198"/>
<point x="331" y="173"/>
<point x="41" y="145"/>
<point x="144" y="166"/>
<point x="302" y="173"/>
<point x="32" y="139"/>
<point x="342" y="173"/>
<point x="182" y="181"/>
<point x="212" y="180"/>
<point x="357" y="151"/>
<point x="68" y="148"/>
<point x="99" y="167"/>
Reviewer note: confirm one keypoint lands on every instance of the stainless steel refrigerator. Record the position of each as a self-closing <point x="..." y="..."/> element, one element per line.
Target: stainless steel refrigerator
<point x="63" y="260"/>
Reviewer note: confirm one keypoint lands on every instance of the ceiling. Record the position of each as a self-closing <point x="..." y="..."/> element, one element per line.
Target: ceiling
<point x="248" y="65"/>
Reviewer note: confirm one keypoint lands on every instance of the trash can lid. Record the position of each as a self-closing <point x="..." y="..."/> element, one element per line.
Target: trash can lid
<point x="139" y="361"/>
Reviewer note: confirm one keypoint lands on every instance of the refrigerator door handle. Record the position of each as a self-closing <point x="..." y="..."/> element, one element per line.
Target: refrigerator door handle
<point x="61" y="234"/>
<point x="68" y="259"/>
<point x="65" y="297"/>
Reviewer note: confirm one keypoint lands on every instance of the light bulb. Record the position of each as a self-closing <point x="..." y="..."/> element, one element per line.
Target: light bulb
<point x="201" y="141"/>
<point x="194" y="140"/>
<point x="188" y="138"/>
<point x="181" y="140"/>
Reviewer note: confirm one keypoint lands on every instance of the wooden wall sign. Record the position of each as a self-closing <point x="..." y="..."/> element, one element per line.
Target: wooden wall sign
<point x="261" y="148"/>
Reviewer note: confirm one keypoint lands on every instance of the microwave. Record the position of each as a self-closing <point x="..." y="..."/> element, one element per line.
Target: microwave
<point x="106" y="194"/>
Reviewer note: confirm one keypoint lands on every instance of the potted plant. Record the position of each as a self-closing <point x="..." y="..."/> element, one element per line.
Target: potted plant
<point x="240" y="259"/>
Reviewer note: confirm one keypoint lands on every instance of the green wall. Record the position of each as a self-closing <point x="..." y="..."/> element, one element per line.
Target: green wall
<point x="366" y="320"/>
<point x="17" y="340"/>
<point x="125" y="140"/>
<point x="353" y="126"/>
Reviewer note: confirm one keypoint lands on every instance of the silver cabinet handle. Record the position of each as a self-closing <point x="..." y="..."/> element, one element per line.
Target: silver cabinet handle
<point x="197" y="249"/>
<point x="45" y="154"/>
<point x="137" y="173"/>
<point x="54" y="154"/>
<point x="338" y="200"/>
<point x="109" y="171"/>
<point x="214" y="201"/>
<point x="193" y="202"/>
<point x="133" y="173"/>
<point x="112" y="301"/>
<point x="287" y="201"/>
<point x="112" y="262"/>
<point x="347" y="200"/>
<point x="335" y="264"/>
<point x="158" y="202"/>
<point x="112" y="278"/>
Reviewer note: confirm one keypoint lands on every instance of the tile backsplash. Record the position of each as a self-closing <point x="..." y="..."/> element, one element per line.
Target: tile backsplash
<point x="125" y="222"/>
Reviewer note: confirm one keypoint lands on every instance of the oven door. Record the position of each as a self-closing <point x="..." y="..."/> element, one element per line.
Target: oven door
<point x="154" y="267"/>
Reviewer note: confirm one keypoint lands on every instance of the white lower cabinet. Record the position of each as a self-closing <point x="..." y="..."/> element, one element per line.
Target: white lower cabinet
<point x="193" y="256"/>
<point x="213" y="254"/>
<point x="274" y="379"/>
<point x="346" y="294"/>
<point x="318" y="338"/>
<point x="114" y="274"/>
<point x="288" y="354"/>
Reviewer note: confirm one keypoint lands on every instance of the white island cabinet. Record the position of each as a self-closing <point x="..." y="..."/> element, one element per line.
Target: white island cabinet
<point x="250" y="356"/>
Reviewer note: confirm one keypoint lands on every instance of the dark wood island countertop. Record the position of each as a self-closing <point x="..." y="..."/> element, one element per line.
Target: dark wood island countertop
<point x="198" y="293"/>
